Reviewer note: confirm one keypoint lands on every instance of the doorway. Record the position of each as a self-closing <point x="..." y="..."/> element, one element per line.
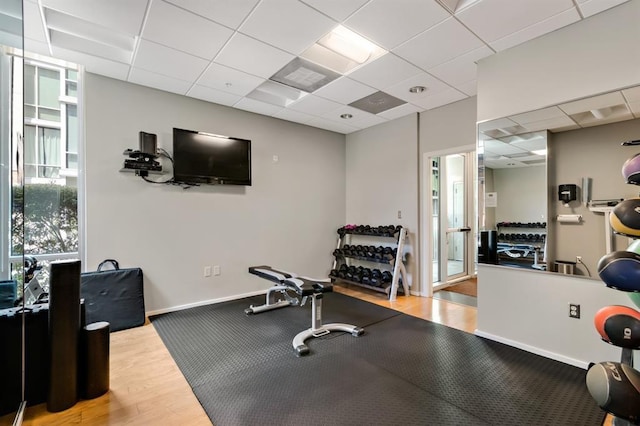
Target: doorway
<point x="450" y="211"/>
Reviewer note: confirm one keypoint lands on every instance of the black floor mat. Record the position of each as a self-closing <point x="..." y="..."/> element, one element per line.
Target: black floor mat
<point x="403" y="370"/>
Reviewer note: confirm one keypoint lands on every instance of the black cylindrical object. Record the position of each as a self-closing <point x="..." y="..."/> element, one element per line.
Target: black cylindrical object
<point x="488" y="250"/>
<point x="64" y="330"/>
<point x="94" y="374"/>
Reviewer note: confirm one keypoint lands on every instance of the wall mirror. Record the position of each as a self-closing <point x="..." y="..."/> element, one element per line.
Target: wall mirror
<point x="526" y="160"/>
<point x="11" y="235"/>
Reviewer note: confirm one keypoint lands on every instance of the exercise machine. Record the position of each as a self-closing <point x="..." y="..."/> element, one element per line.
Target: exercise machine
<point x="294" y="291"/>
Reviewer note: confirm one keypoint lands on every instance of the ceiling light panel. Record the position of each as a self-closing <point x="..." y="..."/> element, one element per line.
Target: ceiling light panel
<point x="124" y="16"/>
<point x="276" y="94"/>
<point x="342" y="50"/>
<point x="304" y="75"/>
<point x="81" y="29"/>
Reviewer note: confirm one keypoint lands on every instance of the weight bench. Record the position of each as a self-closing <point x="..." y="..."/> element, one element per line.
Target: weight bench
<point x="302" y="288"/>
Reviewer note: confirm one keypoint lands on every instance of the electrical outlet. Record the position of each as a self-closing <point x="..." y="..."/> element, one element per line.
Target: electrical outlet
<point x="207" y="271"/>
<point x="399" y="214"/>
<point x="216" y="270"/>
<point x="578" y="259"/>
<point x="574" y="310"/>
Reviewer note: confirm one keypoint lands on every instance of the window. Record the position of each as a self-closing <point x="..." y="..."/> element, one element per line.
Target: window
<point x="45" y="207"/>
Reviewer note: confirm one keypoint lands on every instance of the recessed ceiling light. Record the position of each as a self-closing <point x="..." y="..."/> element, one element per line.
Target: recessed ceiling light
<point x="539" y="152"/>
<point x="346" y="116"/>
<point x="417" y="89"/>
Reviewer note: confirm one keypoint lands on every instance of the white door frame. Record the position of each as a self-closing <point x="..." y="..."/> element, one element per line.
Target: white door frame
<point x="426" y="211"/>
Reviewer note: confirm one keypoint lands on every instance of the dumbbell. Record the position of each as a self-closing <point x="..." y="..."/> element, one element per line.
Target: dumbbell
<point x="333" y="273"/>
<point x="342" y="272"/>
<point x="337" y="253"/>
<point x="387" y="277"/>
<point x="366" y="276"/>
<point x="376" y="277"/>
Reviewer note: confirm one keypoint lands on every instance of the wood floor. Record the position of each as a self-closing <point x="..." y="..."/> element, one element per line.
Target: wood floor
<point x="147" y="387"/>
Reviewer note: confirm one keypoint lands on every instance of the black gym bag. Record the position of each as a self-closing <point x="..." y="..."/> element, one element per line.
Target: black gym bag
<point x="114" y="295"/>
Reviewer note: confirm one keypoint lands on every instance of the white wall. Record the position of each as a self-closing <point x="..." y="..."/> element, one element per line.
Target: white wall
<point x="382" y="178"/>
<point x="592" y="56"/>
<point x="530" y="310"/>
<point x="287" y="219"/>
<point x="522" y="194"/>
<point x="595" y="55"/>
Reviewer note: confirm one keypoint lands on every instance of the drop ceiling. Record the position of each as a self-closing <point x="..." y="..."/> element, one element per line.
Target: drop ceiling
<point x="226" y="51"/>
<point x="511" y="141"/>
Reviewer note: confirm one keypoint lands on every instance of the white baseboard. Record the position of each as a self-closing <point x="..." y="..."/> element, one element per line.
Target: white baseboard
<point x="551" y="355"/>
<point x="204" y="302"/>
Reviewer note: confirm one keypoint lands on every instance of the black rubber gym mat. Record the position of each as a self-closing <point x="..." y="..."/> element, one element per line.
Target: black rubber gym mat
<point x="403" y="370"/>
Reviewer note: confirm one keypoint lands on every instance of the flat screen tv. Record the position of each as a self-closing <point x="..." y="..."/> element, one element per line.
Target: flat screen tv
<point x="205" y="158"/>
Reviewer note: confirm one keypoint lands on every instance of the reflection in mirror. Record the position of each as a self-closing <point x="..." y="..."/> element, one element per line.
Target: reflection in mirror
<point x="515" y="191"/>
<point x="11" y="235"/>
<point x="584" y="144"/>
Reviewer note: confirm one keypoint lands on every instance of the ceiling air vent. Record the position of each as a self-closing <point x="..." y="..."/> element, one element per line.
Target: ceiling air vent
<point x="377" y="102"/>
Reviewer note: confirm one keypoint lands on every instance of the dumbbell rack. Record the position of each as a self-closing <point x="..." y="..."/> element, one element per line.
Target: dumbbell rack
<point x="391" y="289"/>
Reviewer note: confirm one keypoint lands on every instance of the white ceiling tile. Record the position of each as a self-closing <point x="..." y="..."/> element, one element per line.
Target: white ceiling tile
<point x="158" y="81"/>
<point x="439" y="44"/>
<point x="385" y="71"/>
<point x="502" y="148"/>
<point x="257" y="106"/>
<point x="593" y="103"/>
<point x="122" y="15"/>
<point x="368" y="121"/>
<point x="252" y="56"/>
<point x="356" y="114"/>
<point x="315" y="105"/>
<point x="441" y="98"/>
<point x="170" y="62"/>
<point x="553" y="124"/>
<point x="500" y="123"/>
<point x="336" y="9"/>
<point x="494" y="19"/>
<point x="287" y="24"/>
<point x="33" y="28"/>
<point x="635" y="108"/>
<point x="470" y="87"/>
<point x="344" y="90"/>
<point x="632" y="94"/>
<point x="94" y="64"/>
<point x="553" y="23"/>
<point x="589" y="8"/>
<point x="185" y="31"/>
<point x="333" y="126"/>
<point x="229" y="80"/>
<point x="225" y="12"/>
<point x="461" y="69"/>
<point x="212" y="95"/>
<point x="391" y="23"/>
<point x="538" y="115"/>
<point x="401" y="90"/>
<point x="400" y="111"/>
<point x="534" y="144"/>
<point x="293" y="115"/>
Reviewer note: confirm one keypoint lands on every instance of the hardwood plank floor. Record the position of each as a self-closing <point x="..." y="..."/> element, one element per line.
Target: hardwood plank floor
<point x="147" y="388"/>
